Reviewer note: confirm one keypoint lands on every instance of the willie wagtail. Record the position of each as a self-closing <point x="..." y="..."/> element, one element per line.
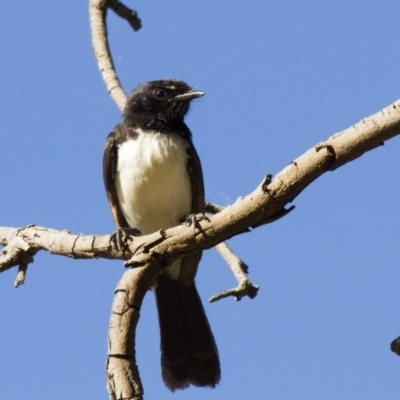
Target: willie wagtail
<point x="154" y="180"/>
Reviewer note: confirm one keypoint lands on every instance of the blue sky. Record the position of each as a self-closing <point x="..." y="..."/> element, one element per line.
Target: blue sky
<point x="278" y="79"/>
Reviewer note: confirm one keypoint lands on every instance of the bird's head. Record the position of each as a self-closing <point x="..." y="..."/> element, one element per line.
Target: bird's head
<point x="159" y="102"/>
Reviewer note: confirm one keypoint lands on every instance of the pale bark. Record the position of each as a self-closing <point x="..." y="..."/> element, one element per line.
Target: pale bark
<point x="151" y="253"/>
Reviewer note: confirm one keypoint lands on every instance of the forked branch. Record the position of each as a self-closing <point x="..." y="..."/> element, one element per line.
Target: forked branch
<point x="160" y="248"/>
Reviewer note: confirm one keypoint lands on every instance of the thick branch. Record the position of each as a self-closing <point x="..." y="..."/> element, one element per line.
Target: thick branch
<point x="160" y="248"/>
<point x="123" y="380"/>
<point x="262" y="204"/>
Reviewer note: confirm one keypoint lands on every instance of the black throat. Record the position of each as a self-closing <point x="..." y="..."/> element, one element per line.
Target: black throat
<point x="156" y="124"/>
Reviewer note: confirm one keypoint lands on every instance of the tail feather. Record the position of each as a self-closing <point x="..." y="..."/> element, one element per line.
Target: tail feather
<point x="189" y="354"/>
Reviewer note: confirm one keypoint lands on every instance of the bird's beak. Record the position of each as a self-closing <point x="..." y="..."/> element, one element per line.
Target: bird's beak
<point x="193" y="94"/>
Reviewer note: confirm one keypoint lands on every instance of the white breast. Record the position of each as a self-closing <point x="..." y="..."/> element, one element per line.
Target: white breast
<point x="152" y="181"/>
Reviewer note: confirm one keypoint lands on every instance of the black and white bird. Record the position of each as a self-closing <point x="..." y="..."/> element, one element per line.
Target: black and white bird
<point x="154" y="181"/>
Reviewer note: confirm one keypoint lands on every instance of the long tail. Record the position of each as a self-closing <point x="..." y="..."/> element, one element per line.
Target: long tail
<point x="189" y="354"/>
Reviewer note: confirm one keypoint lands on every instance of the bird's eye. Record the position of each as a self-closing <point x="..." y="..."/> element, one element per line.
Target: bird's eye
<point x="160" y="94"/>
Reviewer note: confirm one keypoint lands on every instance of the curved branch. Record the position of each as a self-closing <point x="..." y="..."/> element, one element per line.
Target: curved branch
<point x="97" y="16"/>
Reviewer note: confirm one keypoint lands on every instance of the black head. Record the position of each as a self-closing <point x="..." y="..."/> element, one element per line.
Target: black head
<point x="158" y="104"/>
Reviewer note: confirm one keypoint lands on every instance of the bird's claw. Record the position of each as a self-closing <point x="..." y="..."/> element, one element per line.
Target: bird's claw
<point x="121" y="237"/>
<point x="194" y="219"/>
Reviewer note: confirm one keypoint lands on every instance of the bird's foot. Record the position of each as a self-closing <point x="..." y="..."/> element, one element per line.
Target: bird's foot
<point x="121" y="237"/>
<point x="194" y="219"/>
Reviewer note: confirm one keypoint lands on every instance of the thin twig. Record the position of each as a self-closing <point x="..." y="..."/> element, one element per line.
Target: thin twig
<point x="238" y="267"/>
<point x="126" y="13"/>
<point x="240" y="270"/>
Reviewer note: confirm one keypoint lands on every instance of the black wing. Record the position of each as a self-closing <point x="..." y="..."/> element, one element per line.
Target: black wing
<point x="191" y="261"/>
<point x="110" y="160"/>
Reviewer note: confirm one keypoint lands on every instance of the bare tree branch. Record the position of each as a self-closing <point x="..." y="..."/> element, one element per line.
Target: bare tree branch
<point x="123" y="380"/>
<point x="265" y="202"/>
<point x="238" y="267"/>
<point x="97" y="16"/>
<point x="157" y="250"/>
